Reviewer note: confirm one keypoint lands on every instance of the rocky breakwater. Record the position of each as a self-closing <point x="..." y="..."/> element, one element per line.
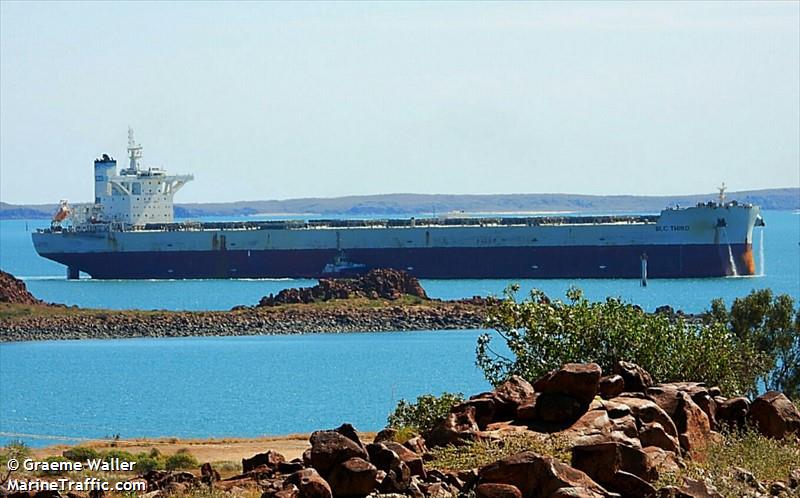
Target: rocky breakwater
<point x="13" y="290"/>
<point x="376" y="284"/>
<point x="383" y="300"/>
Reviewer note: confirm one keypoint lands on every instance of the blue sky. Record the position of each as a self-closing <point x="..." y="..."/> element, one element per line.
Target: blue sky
<point x="272" y="100"/>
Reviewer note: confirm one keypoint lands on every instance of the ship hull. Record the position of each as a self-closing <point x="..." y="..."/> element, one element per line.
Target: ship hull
<point x="663" y="261"/>
<point x="704" y="241"/>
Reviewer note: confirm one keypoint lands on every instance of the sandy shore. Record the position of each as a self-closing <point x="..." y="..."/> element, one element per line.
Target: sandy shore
<point x="205" y="450"/>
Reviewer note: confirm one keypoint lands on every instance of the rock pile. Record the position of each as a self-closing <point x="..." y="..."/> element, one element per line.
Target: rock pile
<point x="13" y="290"/>
<point x="621" y="440"/>
<point x="377" y="284"/>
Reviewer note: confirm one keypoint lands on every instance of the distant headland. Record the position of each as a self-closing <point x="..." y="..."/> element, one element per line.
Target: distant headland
<point x="403" y="205"/>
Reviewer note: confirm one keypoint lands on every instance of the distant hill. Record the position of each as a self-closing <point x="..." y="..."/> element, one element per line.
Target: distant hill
<point x="417" y="204"/>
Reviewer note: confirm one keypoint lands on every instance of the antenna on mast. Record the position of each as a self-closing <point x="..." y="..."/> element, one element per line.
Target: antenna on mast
<point x="134" y="151"/>
<point x="722" y="189"/>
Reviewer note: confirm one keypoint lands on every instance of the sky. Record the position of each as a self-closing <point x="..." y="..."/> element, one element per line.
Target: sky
<point x="283" y="100"/>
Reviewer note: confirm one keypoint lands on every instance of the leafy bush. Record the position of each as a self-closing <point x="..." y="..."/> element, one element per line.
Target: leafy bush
<point x="17" y="450"/>
<point x="80" y="454"/>
<point x="542" y="335"/>
<point x="771" y="324"/>
<point x="145" y="463"/>
<point x="425" y="413"/>
<point x="180" y="460"/>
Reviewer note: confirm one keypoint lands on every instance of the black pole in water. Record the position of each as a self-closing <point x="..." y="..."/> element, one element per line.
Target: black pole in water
<point x="644" y="269"/>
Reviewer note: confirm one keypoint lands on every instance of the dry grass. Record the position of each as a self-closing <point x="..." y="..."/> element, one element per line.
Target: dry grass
<point x="769" y="460"/>
<point x="478" y="454"/>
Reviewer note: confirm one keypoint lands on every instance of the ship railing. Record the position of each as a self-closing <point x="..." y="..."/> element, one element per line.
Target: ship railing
<point x="398" y="223"/>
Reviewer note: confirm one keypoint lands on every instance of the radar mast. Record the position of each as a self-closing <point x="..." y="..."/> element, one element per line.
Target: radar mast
<point x="134" y="152"/>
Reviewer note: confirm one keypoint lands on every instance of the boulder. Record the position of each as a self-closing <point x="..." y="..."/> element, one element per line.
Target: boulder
<point x="555" y="408"/>
<point x="208" y="475"/>
<point x="694" y="428"/>
<point x="387" y="434"/>
<point x="774" y="415"/>
<point x="604" y="421"/>
<point x="417" y="445"/>
<point x="535" y="475"/>
<point x="659" y="461"/>
<point x="636" y="378"/>
<point x="354" y="477"/>
<point x="611" y="386"/>
<point x="577" y="380"/>
<point x="408" y="457"/>
<point x="602" y="462"/>
<point x="456" y="428"/>
<point x="271" y="459"/>
<point x="350" y="433"/>
<point x="654" y="434"/>
<point x="310" y="484"/>
<point x="733" y="412"/>
<point x="497" y="490"/>
<point x="329" y="448"/>
<point x="508" y="396"/>
<point x="484" y="410"/>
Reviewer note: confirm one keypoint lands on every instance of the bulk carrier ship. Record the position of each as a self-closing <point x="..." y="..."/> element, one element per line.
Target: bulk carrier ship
<point x="129" y="232"/>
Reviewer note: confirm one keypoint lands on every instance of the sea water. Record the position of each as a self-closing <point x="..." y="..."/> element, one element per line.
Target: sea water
<point x="247" y="386"/>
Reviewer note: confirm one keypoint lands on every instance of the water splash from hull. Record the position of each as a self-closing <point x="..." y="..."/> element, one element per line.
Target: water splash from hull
<point x="761" y="253"/>
<point x="732" y="262"/>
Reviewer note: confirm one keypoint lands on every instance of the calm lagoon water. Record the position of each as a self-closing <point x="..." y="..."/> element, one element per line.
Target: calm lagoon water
<point x="247" y="386"/>
<point x="227" y="386"/>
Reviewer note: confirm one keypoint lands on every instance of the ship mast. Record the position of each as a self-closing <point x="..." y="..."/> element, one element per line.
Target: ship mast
<point x="134" y="152"/>
<point x="722" y="189"/>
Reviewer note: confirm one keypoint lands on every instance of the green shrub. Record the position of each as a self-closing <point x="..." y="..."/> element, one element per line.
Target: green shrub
<point x="17" y="450"/>
<point x="146" y="463"/>
<point x="543" y="334"/>
<point x="423" y="414"/>
<point x="771" y="324"/>
<point x="80" y="454"/>
<point x="123" y="455"/>
<point x="180" y="460"/>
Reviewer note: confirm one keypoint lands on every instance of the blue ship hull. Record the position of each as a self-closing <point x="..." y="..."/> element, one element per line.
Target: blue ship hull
<point x="664" y="261"/>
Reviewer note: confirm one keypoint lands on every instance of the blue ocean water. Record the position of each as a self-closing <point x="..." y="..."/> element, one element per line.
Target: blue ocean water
<point x="46" y="279"/>
<point x="228" y="386"/>
<point x="247" y="386"/>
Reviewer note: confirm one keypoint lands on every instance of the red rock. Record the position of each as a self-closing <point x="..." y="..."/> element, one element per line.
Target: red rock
<point x="329" y="448"/>
<point x="601" y="425"/>
<point x="13" y="290"/>
<point x="509" y="395"/>
<point x="611" y="386"/>
<point x="350" y="433"/>
<point x="557" y="408"/>
<point x="408" y="457"/>
<point x="646" y="411"/>
<point x="603" y="461"/>
<point x="654" y="434"/>
<point x="497" y="490"/>
<point x="208" y="475"/>
<point x="659" y="461"/>
<point x="484" y="410"/>
<point x="271" y="459"/>
<point x="534" y="475"/>
<point x="733" y="412"/>
<point x="694" y="428"/>
<point x="636" y="378"/>
<point x="310" y="484"/>
<point x="417" y="445"/>
<point x="774" y="415"/>
<point x="577" y="380"/>
<point x="456" y="428"/>
<point x="354" y="477"/>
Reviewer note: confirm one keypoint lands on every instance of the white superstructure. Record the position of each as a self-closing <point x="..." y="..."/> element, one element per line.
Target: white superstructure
<point x="135" y="196"/>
